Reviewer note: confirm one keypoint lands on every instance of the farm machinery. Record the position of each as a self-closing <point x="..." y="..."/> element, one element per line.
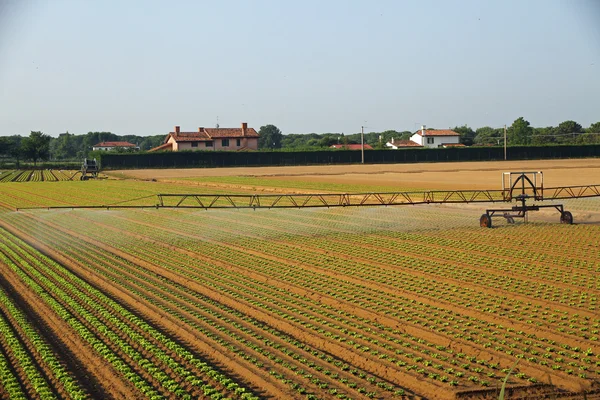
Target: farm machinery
<point x="89" y="169"/>
<point x="518" y="187"/>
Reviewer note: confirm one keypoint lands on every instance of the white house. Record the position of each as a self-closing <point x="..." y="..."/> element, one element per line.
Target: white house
<point x="108" y="146"/>
<point x="401" y="144"/>
<point x="436" y="138"/>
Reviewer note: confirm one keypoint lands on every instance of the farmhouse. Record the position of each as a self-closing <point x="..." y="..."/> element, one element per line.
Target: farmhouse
<point x="107" y="146"/>
<point x="242" y="138"/>
<point x="435" y="138"/>
<point x="400" y="144"/>
<point x="350" y="146"/>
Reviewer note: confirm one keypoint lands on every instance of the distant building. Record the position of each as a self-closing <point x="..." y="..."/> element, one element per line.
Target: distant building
<point x="107" y="146"/>
<point x="401" y="144"/>
<point x="350" y="146"/>
<point x="237" y="139"/>
<point x="435" y="138"/>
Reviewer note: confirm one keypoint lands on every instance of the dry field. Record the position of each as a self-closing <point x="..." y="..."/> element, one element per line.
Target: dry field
<point x="413" y="302"/>
<point x="441" y="176"/>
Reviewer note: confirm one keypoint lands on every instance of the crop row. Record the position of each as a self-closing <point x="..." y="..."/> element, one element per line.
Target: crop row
<point x="411" y="258"/>
<point x="361" y="299"/>
<point x="42" y="352"/>
<point x="391" y="270"/>
<point x="540" y="343"/>
<point x="93" y="317"/>
<point x="36" y="175"/>
<point x="123" y="277"/>
<point x="218" y="251"/>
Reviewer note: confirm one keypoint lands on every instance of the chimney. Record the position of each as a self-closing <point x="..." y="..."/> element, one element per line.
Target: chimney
<point x="423" y="130"/>
<point x="244" y="128"/>
<point x="201" y="129"/>
<point x="176" y="129"/>
<point x="392" y="140"/>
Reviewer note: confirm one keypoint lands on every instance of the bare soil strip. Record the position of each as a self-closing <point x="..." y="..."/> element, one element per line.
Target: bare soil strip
<point x="94" y="365"/>
<point x="440" y="176"/>
<point x="557" y="377"/>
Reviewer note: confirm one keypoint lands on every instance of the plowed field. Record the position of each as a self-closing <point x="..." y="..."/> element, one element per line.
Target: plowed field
<point x="407" y="302"/>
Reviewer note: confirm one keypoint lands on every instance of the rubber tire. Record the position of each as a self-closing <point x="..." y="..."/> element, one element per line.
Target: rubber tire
<point x="566" y="218"/>
<point x="485" y="221"/>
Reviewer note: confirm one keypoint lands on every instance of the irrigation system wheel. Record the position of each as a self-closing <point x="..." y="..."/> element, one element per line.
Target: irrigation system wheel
<point x="485" y="221"/>
<point x="566" y="218"/>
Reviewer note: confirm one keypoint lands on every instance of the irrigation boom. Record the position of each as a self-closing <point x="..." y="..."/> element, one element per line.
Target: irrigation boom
<point x="516" y="186"/>
<point x="207" y="201"/>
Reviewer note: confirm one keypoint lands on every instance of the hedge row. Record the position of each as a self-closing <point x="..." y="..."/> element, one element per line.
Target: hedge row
<point x="211" y="159"/>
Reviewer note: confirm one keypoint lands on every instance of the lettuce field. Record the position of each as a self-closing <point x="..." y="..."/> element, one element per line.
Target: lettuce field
<point x="414" y="302"/>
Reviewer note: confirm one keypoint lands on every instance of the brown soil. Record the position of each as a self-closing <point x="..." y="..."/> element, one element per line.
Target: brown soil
<point x="102" y="374"/>
<point x="241" y="293"/>
<point x="557" y="378"/>
<point x="442" y="176"/>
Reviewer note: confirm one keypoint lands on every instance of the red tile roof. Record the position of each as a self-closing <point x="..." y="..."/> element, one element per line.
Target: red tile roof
<point x="405" y="143"/>
<point x="208" y="134"/>
<point x="189" y="137"/>
<point x="166" y="146"/>
<point x="230" y="132"/>
<point x="437" y="132"/>
<point x="453" y="145"/>
<point x="114" y="144"/>
<point x="350" y="146"/>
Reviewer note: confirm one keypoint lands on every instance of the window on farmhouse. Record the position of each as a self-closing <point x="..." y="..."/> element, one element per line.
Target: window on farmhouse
<point x="224" y="142"/>
<point x="238" y="142"/>
<point x="194" y="144"/>
<point x="430" y="140"/>
<point x="209" y="144"/>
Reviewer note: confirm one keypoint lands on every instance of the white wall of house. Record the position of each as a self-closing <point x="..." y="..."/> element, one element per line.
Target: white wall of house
<point x="434" y="141"/>
<point x="216" y="144"/>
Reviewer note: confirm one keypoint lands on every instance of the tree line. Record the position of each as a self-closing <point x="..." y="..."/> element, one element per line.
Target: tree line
<point x="70" y="147"/>
<point x="518" y="134"/>
<point x="39" y="146"/>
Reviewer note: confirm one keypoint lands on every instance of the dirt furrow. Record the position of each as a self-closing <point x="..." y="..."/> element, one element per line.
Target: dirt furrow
<point x="100" y="371"/>
<point x="367" y="364"/>
<point x="382" y="287"/>
<point x="262" y="382"/>
<point x="416" y="255"/>
<point x="415" y="331"/>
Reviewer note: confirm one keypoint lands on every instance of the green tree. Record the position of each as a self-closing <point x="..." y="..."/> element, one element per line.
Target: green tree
<point x="588" y="138"/>
<point x="489" y="136"/>
<point x="270" y="137"/>
<point x="567" y="127"/>
<point x="519" y="132"/>
<point x="467" y="135"/>
<point x="36" y="146"/>
<point x="10" y="147"/>
<point x="543" y="136"/>
<point x="63" y="147"/>
<point x="594" y="128"/>
<point x="567" y="131"/>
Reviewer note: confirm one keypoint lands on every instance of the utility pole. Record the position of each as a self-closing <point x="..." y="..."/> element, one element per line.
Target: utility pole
<point x="504" y="142"/>
<point x="362" y="144"/>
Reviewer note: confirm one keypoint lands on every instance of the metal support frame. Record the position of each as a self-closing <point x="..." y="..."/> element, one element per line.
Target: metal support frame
<point x="517" y="186"/>
<point x="206" y="201"/>
<point x="531" y="186"/>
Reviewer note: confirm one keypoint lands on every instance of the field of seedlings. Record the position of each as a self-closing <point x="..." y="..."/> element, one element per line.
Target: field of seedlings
<point x="412" y="302"/>
<point x="37" y="175"/>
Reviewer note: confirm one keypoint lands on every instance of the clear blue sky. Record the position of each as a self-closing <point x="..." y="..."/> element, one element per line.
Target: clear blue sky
<point x="141" y="67"/>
